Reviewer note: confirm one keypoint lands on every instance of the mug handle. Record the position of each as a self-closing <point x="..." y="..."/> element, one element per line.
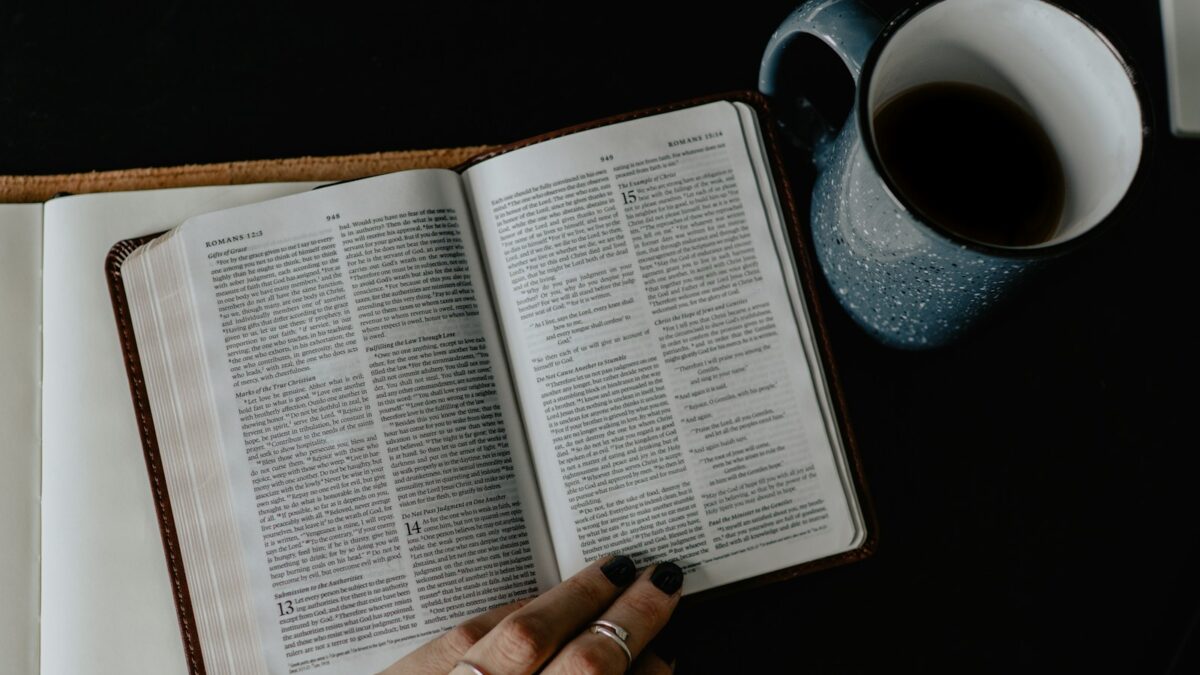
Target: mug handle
<point x="847" y="27"/>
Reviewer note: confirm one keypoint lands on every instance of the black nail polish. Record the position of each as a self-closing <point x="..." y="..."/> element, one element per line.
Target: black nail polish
<point x="667" y="577"/>
<point x="620" y="570"/>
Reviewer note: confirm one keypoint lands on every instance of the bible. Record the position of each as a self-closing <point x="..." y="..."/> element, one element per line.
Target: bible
<point x="376" y="408"/>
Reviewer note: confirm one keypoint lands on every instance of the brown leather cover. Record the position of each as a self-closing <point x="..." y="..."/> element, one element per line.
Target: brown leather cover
<point x="158" y="481"/>
<point x="805" y="262"/>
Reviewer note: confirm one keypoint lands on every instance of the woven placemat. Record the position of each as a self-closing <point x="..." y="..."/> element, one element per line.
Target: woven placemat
<point x="18" y="189"/>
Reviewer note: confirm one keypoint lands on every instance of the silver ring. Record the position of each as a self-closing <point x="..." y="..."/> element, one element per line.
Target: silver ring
<point x="621" y="632"/>
<point x="470" y="666"/>
<point x="608" y="633"/>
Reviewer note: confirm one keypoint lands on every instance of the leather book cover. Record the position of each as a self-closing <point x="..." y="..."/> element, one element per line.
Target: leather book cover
<point x="145" y="423"/>
<point x="344" y="169"/>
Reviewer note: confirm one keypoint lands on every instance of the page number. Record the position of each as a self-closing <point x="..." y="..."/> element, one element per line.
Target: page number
<point x="332" y="217"/>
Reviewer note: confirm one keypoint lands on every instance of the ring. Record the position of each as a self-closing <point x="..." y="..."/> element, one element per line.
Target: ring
<point x="621" y="632"/>
<point x="602" y="629"/>
<point x="470" y="666"/>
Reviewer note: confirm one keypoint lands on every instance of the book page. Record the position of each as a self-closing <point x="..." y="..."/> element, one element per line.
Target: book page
<point x="666" y="389"/>
<point x="379" y="478"/>
<point x="106" y="597"/>
<point x="21" y="451"/>
<point x="791" y="277"/>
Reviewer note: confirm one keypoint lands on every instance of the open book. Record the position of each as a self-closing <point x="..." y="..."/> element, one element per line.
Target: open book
<point x="407" y="398"/>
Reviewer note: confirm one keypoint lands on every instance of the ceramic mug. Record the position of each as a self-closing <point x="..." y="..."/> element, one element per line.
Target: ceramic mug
<point x="908" y="281"/>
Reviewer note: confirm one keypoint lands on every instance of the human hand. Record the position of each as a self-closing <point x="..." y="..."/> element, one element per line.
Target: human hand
<point x="555" y="633"/>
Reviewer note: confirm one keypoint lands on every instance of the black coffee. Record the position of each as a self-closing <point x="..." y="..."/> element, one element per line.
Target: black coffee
<point x="973" y="162"/>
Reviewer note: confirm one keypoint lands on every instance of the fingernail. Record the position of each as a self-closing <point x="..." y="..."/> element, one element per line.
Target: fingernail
<point x="667" y="577"/>
<point x="620" y="570"/>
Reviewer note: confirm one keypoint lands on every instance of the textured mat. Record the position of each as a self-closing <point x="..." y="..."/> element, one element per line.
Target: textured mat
<point x="15" y="189"/>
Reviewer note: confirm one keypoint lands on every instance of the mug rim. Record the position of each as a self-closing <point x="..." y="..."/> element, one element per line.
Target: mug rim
<point x="885" y="35"/>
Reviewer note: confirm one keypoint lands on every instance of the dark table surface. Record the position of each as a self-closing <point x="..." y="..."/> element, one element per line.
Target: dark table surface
<point x="1035" y="489"/>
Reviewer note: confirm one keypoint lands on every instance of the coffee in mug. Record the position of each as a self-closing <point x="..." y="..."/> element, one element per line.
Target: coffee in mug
<point x="951" y="147"/>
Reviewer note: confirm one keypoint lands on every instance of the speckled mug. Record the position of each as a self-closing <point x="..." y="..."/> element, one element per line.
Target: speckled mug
<point x="906" y="280"/>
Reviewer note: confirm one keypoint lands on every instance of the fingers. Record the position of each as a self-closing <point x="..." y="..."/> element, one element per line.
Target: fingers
<point x="439" y="656"/>
<point x="528" y="637"/>
<point x="522" y="636"/>
<point x="642" y="611"/>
